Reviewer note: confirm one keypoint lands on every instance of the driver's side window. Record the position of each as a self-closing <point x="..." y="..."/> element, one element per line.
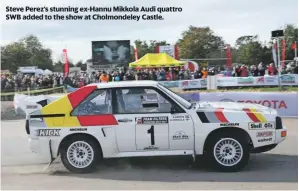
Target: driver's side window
<point x="97" y="103"/>
<point x="140" y="100"/>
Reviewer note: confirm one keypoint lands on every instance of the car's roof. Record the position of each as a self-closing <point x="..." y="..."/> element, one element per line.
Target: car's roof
<point x="133" y="83"/>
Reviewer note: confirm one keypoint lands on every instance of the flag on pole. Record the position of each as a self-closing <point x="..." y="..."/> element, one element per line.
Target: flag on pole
<point x="176" y="52"/>
<point x="283" y="53"/>
<point x="294" y="46"/>
<point x="228" y="56"/>
<point x="136" y="52"/>
<point x="66" y="62"/>
<point x="274" y="48"/>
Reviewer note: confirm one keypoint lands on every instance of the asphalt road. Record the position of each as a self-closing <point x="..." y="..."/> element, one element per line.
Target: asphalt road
<point x="22" y="169"/>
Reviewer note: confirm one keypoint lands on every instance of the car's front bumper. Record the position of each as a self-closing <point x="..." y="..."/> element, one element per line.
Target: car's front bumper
<point x="280" y="135"/>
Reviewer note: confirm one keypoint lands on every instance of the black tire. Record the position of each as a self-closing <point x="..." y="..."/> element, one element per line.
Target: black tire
<point x="88" y="141"/>
<point x="211" y="160"/>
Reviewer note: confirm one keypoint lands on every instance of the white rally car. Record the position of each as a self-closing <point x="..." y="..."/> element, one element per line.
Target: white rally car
<point x="142" y="119"/>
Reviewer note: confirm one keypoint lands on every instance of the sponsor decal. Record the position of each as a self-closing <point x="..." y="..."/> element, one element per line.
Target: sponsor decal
<point x="78" y="129"/>
<point x="48" y="132"/>
<point x="258" y="126"/>
<point x="288" y="79"/>
<point x="178" y="118"/>
<point x="153" y="120"/>
<point x="264" y="140"/>
<point x="138" y="120"/>
<point x="241" y="81"/>
<point x="31" y="106"/>
<point x="180" y="135"/>
<point x="229" y="124"/>
<point x="264" y="134"/>
<point x="150" y="148"/>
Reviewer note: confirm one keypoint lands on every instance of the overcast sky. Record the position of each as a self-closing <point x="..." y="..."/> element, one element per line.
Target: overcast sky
<point x="228" y="18"/>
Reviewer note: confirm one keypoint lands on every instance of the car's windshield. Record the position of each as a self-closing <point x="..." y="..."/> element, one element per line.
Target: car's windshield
<point x="177" y="97"/>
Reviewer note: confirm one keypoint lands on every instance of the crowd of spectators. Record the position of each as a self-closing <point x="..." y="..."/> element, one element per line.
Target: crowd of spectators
<point x="262" y="69"/>
<point x="21" y="82"/>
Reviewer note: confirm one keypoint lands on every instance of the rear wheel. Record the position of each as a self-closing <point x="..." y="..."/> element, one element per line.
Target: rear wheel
<point x="229" y="153"/>
<point x="80" y="155"/>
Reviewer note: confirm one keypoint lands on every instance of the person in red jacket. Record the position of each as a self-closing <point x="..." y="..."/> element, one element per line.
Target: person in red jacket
<point x="243" y="71"/>
<point x="272" y="70"/>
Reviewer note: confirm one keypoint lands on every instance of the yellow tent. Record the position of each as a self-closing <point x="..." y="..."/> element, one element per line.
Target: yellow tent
<point x="156" y="60"/>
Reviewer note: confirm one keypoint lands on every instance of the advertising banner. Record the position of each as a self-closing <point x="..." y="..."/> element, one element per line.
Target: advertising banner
<point x="170" y="84"/>
<point x="289" y="79"/>
<point x="111" y="52"/>
<point x="168" y="49"/>
<point x="193" y="84"/>
<point x="286" y="79"/>
<point x="285" y="103"/>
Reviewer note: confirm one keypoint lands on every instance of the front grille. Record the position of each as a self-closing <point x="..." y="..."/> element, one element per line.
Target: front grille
<point x="278" y="123"/>
<point x="27" y="127"/>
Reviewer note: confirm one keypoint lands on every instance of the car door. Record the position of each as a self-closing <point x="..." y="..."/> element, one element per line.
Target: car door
<point x="146" y="122"/>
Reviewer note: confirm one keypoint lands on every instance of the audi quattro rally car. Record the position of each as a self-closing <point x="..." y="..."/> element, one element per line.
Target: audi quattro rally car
<point x="143" y="118"/>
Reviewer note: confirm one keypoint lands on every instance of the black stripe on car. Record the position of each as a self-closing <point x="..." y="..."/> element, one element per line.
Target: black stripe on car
<point x="202" y="116"/>
<point x="47" y="115"/>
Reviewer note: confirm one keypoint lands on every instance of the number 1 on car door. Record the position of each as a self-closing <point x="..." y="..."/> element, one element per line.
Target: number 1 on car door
<point x="152" y="133"/>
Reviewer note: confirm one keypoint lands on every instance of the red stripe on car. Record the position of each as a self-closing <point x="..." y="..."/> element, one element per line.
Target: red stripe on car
<point x="97" y="120"/>
<point x="77" y="96"/>
<point x="219" y="114"/>
<point x="251" y="115"/>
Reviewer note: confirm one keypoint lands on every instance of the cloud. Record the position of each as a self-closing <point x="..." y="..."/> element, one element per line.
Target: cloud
<point x="229" y="19"/>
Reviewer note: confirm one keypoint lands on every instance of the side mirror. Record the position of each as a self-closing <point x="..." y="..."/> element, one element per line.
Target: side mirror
<point x="172" y="110"/>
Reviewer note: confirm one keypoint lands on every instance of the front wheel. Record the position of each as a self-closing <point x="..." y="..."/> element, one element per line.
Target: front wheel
<point x="228" y="153"/>
<point x="80" y="155"/>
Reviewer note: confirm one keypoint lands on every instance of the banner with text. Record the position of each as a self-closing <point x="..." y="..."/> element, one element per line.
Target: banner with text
<point x="193" y="84"/>
<point x="286" y="104"/>
<point x="286" y="79"/>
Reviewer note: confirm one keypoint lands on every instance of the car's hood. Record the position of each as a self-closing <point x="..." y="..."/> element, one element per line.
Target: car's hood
<point x="234" y="107"/>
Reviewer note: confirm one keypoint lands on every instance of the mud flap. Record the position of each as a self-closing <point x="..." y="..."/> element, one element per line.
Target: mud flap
<point x="193" y="159"/>
<point x="51" y="155"/>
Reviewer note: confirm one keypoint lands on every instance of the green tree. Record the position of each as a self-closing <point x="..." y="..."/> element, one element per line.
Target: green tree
<point x="58" y="66"/>
<point x="291" y="35"/>
<point x="27" y="51"/>
<point x="251" y="51"/>
<point x="81" y="65"/>
<point x="243" y="40"/>
<point x="143" y="47"/>
<point x="199" y="42"/>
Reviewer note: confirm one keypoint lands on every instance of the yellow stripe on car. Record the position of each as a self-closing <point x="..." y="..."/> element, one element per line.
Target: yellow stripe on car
<point x="61" y="106"/>
<point x="259" y="115"/>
